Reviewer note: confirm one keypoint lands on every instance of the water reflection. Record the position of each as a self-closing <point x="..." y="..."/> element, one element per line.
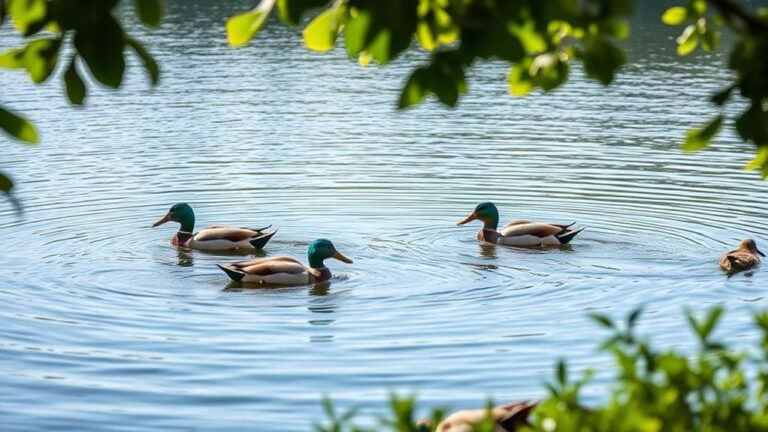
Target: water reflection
<point x="186" y="259"/>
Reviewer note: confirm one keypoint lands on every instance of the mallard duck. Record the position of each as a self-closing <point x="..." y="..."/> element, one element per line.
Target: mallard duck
<point x="743" y="258"/>
<point x="218" y="237"/>
<point x="519" y="233"/>
<point x="287" y="271"/>
<point x="508" y="418"/>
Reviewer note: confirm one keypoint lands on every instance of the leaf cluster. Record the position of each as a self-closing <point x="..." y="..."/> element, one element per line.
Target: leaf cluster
<point x="714" y="389"/>
<point x="98" y="40"/>
<point x="703" y="21"/>
<point x="537" y="38"/>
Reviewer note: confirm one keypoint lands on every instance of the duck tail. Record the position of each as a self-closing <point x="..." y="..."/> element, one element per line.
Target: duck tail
<point x="235" y="275"/>
<point x="569" y="235"/>
<point x="260" y="241"/>
<point x="518" y="416"/>
<point x="564" y="227"/>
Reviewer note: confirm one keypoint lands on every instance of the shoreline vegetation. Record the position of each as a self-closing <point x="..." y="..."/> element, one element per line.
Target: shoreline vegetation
<point x="715" y="388"/>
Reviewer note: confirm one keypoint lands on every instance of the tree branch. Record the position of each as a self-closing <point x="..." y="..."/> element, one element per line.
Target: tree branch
<point x="729" y="10"/>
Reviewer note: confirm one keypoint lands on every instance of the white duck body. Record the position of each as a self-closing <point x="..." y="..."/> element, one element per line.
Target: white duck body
<point x="529" y="234"/>
<point x="223" y="237"/>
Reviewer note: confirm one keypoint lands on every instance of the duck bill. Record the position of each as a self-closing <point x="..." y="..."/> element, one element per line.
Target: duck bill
<point x="758" y="251"/>
<point x="165" y="219"/>
<point x="339" y="256"/>
<point x="469" y="219"/>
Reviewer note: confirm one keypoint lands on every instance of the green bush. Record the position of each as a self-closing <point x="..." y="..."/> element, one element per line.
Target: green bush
<point x="713" y="389"/>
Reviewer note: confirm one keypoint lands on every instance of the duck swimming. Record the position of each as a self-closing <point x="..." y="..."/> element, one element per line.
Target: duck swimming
<point x="219" y="237"/>
<point x="507" y="418"/>
<point x="287" y="271"/>
<point x="743" y="258"/>
<point x="519" y="233"/>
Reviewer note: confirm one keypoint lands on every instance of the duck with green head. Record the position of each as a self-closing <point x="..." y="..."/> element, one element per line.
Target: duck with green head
<point x="285" y="270"/>
<point x="519" y="233"/>
<point x="219" y="237"/>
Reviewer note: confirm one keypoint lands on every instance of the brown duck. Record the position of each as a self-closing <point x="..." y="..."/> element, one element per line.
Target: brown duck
<point x="743" y="258"/>
<point x="508" y="418"/>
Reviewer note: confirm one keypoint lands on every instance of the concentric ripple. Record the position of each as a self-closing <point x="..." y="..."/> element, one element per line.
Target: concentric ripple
<point x="106" y="325"/>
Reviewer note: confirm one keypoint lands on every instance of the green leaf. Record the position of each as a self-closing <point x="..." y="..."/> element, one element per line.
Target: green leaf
<point x="721" y="97"/>
<point x="242" y="28"/>
<point x="150" y="12"/>
<point x="446" y="90"/>
<point x="27" y="14"/>
<point x="38" y="57"/>
<point x="602" y="320"/>
<point x="41" y="57"/>
<point x="602" y="59"/>
<point x="356" y="32"/>
<point x="688" y="40"/>
<point x="699" y="6"/>
<point x="415" y="90"/>
<point x="697" y="139"/>
<point x="562" y="373"/>
<point x="6" y="184"/>
<point x="18" y="127"/>
<point x="380" y="46"/>
<point x="320" y="34"/>
<point x="328" y="407"/>
<point x="74" y="84"/>
<point x="616" y="28"/>
<point x="149" y="62"/>
<point x="101" y="46"/>
<point x="13" y="59"/>
<point x="752" y="125"/>
<point x="704" y="328"/>
<point x="675" y="15"/>
<point x="710" y="39"/>
<point x="520" y="82"/>
<point x="548" y="72"/>
<point x="760" y="161"/>
<point x="290" y="11"/>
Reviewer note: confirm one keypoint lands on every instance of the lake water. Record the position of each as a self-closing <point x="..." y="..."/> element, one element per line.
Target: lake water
<point x="105" y="326"/>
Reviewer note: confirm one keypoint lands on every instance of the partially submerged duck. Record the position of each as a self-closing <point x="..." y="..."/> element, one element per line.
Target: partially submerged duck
<point x="743" y="258"/>
<point x="519" y="233"/>
<point x="285" y="270"/>
<point x="219" y="237"/>
<point x="507" y="418"/>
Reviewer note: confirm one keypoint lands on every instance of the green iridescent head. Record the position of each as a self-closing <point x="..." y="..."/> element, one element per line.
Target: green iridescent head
<point x="322" y="249"/>
<point x="181" y="213"/>
<point x="486" y="212"/>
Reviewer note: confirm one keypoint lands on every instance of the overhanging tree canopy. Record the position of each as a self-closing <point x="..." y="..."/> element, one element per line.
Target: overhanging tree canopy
<point x="538" y="38"/>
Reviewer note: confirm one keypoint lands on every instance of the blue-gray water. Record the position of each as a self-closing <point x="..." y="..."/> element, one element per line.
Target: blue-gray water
<point x="104" y="326"/>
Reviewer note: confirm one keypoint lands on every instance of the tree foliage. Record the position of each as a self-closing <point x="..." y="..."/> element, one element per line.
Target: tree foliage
<point x="714" y="389"/>
<point x="539" y="39"/>
<point x="99" y="43"/>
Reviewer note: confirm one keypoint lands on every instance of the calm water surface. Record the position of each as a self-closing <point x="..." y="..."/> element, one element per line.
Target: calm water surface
<point x="106" y="327"/>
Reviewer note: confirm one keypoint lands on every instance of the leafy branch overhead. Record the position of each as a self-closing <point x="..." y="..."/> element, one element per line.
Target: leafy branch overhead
<point x="99" y="43"/>
<point x="539" y="40"/>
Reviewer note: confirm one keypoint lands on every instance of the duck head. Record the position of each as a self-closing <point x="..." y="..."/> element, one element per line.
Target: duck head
<point x="486" y="212"/>
<point x="322" y="249"/>
<point x="751" y="246"/>
<point x="181" y="213"/>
